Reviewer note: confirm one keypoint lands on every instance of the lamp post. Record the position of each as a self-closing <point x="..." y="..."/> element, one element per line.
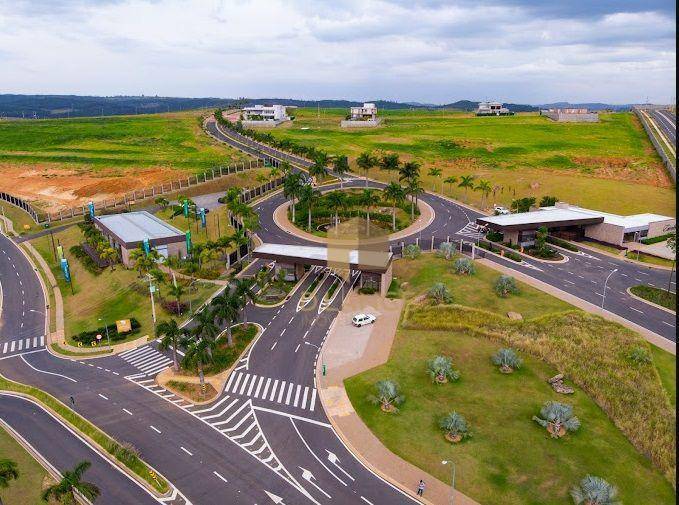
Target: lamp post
<point x="452" y="481"/>
<point x="108" y="338"/>
<point x="320" y="355"/>
<point x="603" y="298"/>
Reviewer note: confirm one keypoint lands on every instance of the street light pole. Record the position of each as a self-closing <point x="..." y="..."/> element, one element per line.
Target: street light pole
<point x="452" y="481"/>
<point x="603" y="298"/>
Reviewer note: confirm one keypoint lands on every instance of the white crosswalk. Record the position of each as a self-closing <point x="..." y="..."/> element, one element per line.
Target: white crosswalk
<point x="22" y="345"/>
<point x="272" y="390"/>
<point x="470" y="230"/>
<point x="146" y="359"/>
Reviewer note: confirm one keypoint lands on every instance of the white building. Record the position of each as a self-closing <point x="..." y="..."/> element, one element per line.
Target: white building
<point x="274" y="112"/>
<point x="362" y="116"/>
<point x="492" y="109"/>
<point x="571" y="115"/>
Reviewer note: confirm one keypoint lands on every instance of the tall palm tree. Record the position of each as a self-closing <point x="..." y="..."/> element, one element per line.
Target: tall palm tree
<point x="365" y="162"/>
<point x="110" y="255"/>
<point x="436" y="172"/>
<point x="341" y="167"/>
<point x="367" y="199"/>
<point x="244" y="292"/>
<point x="226" y="310"/>
<point x="239" y="239"/>
<point x="485" y="188"/>
<point x="389" y="162"/>
<point x="413" y="189"/>
<point x="205" y="326"/>
<point x="450" y="180"/>
<point x="274" y="172"/>
<point x="395" y="194"/>
<point x="171" y="334"/>
<point x="292" y="185"/>
<point x="285" y="167"/>
<point x="466" y="182"/>
<point x="71" y="482"/>
<point x="198" y="352"/>
<point x="308" y="195"/>
<point x="8" y="471"/>
<point x="177" y="290"/>
<point x="318" y="170"/>
<point x="337" y="200"/>
<point x="409" y="171"/>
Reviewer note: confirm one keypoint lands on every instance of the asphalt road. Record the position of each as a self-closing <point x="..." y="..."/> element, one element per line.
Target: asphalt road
<point x="667" y="122"/>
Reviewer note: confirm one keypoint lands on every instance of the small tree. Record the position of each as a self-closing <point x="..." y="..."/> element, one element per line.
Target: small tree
<point x="464" y="266"/>
<point x="8" y="471"/>
<point x="455" y="427"/>
<point x="440" y="370"/>
<point x="558" y="418"/>
<point x="440" y="293"/>
<point x="71" y="483"/>
<point x="548" y="201"/>
<point x="412" y="251"/>
<point x="505" y="286"/>
<point x="387" y="396"/>
<point x="170" y="334"/>
<point x="507" y="360"/>
<point x="594" y="491"/>
<point x="446" y="250"/>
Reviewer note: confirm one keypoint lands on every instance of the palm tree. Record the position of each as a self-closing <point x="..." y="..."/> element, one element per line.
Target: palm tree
<point x="239" y="239"/>
<point x="337" y="200"/>
<point x="365" y="162"/>
<point x="368" y="200"/>
<point x="455" y="427"/>
<point x="440" y="293"/>
<point x="436" y="172"/>
<point x="594" y="491"/>
<point x="162" y="201"/>
<point x="109" y="254"/>
<point x="65" y="490"/>
<point x="318" y="170"/>
<point x="413" y="189"/>
<point x="8" y="471"/>
<point x="292" y="185"/>
<point x="409" y="171"/>
<point x="274" y="172"/>
<point x="171" y="333"/>
<point x="177" y="290"/>
<point x="485" y="188"/>
<point x="226" y="310"/>
<point x="198" y="352"/>
<point x="389" y="162"/>
<point x="138" y="257"/>
<point x="507" y="360"/>
<point x="308" y="195"/>
<point x="387" y="396"/>
<point x="205" y="326"/>
<point x="244" y="293"/>
<point x="395" y="194"/>
<point x="558" y="418"/>
<point x="440" y="370"/>
<point x="341" y="167"/>
<point x="450" y="181"/>
<point x="466" y="182"/>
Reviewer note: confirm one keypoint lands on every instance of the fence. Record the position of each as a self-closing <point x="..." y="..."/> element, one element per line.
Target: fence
<point x="652" y="135"/>
<point x="22" y="204"/>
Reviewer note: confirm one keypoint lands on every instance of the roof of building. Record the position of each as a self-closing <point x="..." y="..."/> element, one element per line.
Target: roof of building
<point x="137" y="226"/>
<point x="561" y="215"/>
<point x="319" y="255"/>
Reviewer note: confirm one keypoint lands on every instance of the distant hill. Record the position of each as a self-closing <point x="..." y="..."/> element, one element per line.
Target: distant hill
<point x="467" y="105"/>
<point x="334" y="104"/>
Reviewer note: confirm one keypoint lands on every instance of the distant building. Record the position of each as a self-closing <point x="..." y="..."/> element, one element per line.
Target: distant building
<point x="127" y="231"/>
<point x="571" y="115"/>
<point x="365" y="116"/>
<point x="265" y="115"/>
<point x="493" y="109"/>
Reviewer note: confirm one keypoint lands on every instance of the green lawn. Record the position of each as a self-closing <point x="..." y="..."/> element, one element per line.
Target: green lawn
<point x="23" y="223"/>
<point x="656" y="295"/>
<point x="217" y="224"/>
<point x="28" y="487"/>
<point x="510" y="459"/>
<point x="525" y="154"/>
<point x="120" y="294"/>
<point x="648" y="258"/>
<point x="173" y="140"/>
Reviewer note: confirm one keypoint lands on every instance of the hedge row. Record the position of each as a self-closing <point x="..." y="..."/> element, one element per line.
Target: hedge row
<point x="86" y="337"/>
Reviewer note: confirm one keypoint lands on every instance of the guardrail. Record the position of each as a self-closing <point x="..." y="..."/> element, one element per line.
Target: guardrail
<point x="669" y="164"/>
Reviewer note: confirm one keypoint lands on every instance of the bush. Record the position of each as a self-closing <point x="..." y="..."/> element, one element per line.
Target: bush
<point x="85" y="259"/>
<point x="439" y="293"/>
<point x="455" y="427"/>
<point x="367" y="290"/>
<point x="174" y="307"/>
<point x="86" y="337"/>
<point x="639" y="356"/>
<point x="412" y="251"/>
<point x="562" y="243"/>
<point x="594" y="491"/>
<point x="494" y="236"/>
<point x="507" y="360"/>
<point x="441" y="370"/>
<point x="446" y="250"/>
<point x="558" y="418"/>
<point x="513" y="256"/>
<point x="505" y="285"/>
<point x="655" y="240"/>
<point x="464" y="266"/>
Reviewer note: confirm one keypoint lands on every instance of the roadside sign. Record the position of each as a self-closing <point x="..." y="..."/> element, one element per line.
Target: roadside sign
<point x="91" y="207"/>
<point x="65" y="269"/>
<point x="123" y="326"/>
<point x="147" y="246"/>
<point x="188" y="242"/>
<point x="203" y="222"/>
<point x="186" y="208"/>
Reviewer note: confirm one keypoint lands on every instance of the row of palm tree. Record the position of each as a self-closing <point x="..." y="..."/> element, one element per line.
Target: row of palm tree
<point x="95" y="239"/>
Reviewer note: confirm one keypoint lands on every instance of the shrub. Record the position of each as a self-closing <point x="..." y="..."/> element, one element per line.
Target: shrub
<point x="594" y="491"/>
<point x="655" y="240"/>
<point x="440" y="370"/>
<point x="513" y="256"/>
<point x="562" y="243"/>
<point x="639" y="356"/>
<point x="127" y="453"/>
<point x="439" y="293"/>
<point x="85" y="259"/>
<point x="412" y="251"/>
<point x="86" y="337"/>
<point x="446" y="250"/>
<point x="558" y="418"/>
<point x="494" y="236"/>
<point x="505" y="285"/>
<point x="507" y="360"/>
<point x="367" y="290"/>
<point x="455" y="427"/>
<point x="173" y="306"/>
<point x="387" y="396"/>
<point x="464" y="266"/>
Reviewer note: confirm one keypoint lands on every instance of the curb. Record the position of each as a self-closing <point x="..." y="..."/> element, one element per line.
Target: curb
<point x="629" y="292"/>
<point x="621" y="258"/>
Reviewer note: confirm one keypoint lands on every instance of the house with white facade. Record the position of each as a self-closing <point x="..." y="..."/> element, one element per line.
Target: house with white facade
<point x="361" y="116"/>
<point x="265" y="115"/>
<point x="492" y="109"/>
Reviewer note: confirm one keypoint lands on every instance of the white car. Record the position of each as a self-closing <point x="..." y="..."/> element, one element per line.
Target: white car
<point x="500" y="211"/>
<point x="363" y="319"/>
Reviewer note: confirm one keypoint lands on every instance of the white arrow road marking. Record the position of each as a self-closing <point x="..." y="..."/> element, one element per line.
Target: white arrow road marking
<point x="276" y="499"/>
<point x="335" y="461"/>
<point x="308" y="476"/>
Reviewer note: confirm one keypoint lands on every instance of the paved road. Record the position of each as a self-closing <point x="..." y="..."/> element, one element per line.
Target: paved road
<point x="667" y="122"/>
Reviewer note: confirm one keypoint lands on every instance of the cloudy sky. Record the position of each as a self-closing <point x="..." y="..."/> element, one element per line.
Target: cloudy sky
<point x="435" y="51"/>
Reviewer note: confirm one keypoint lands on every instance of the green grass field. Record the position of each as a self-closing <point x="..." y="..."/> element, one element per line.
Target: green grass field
<point x="655" y="295"/>
<point x="499" y="407"/>
<point x="28" y="487"/>
<point x="609" y="166"/>
<point x="174" y="141"/>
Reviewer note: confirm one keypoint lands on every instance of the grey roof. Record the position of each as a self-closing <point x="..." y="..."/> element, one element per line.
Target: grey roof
<point x="137" y="226"/>
<point x="317" y="255"/>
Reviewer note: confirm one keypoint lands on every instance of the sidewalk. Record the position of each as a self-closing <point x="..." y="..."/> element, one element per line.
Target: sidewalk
<point x="347" y="351"/>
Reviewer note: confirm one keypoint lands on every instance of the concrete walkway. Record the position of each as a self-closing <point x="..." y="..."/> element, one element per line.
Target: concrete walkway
<point x="348" y="351"/>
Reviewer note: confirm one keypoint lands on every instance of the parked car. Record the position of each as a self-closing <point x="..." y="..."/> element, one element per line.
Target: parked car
<point x="500" y="210"/>
<point x="363" y="319"/>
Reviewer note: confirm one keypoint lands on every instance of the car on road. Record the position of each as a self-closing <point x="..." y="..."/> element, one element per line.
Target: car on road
<point x="363" y="319"/>
<point x="500" y="210"/>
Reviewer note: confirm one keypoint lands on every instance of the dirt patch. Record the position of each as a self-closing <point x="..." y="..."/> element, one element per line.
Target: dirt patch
<point x="624" y="169"/>
<point x="53" y="187"/>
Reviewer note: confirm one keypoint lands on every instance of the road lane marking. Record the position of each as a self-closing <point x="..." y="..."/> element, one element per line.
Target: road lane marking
<point x="366" y="500"/>
<point x="186" y="450"/>
<point x="259" y="386"/>
<point x="155" y="429"/>
<point x="220" y="477"/>
<point x="639" y="311"/>
<point x="297" y="348"/>
<point x="668" y="324"/>
<point x="274" y="345"/>
<point x="283" y="331"/>
<point x="127" y="412"/>
<point x="293" y="317"/>
<point x="281" y="392"/>
<point x="252" y="385"/>
<point x="45" y="371"/>
<point x="102" y="396"/>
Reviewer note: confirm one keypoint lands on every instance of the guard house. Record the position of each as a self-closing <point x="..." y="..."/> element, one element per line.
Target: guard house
<point x="575" y="223"/>
<point x="127" y="232"/>
<point x="375" y="267"/>
<point x="362" y="116"/>
<point x="492" y="109"/>
<point x="265" y="115"/>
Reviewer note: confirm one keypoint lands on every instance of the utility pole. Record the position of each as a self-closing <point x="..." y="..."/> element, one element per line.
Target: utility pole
<point x="603" y="298"/>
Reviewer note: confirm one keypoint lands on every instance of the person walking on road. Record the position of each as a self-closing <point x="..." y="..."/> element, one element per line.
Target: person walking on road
<point x="420" y="488"/>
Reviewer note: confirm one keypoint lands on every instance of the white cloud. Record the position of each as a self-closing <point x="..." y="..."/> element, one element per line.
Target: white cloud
<point x="425" y="51"/>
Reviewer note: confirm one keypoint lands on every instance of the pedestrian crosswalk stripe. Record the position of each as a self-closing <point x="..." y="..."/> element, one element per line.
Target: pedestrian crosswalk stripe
<point x="23" y="344"/>
<point x="146" y="359"/>
<point x="272" y="390"/>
